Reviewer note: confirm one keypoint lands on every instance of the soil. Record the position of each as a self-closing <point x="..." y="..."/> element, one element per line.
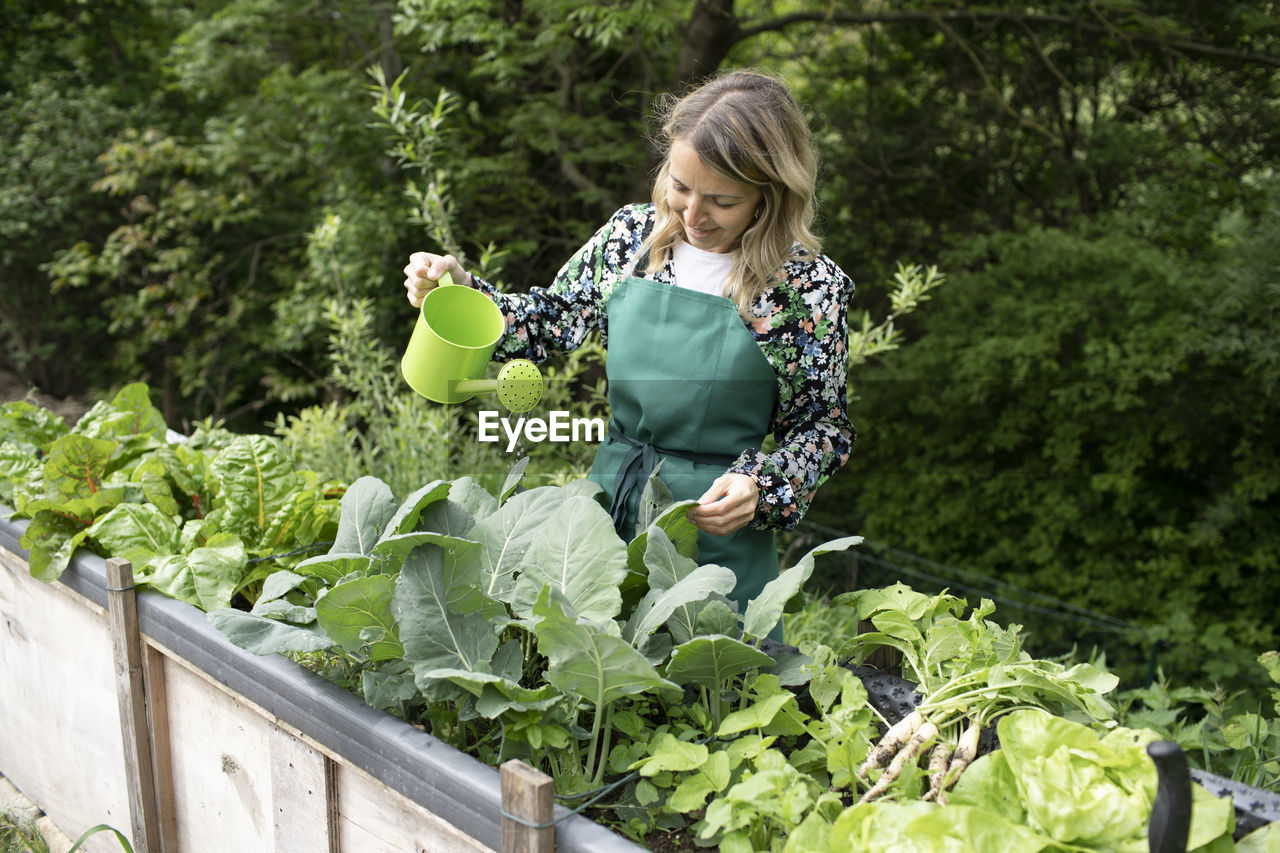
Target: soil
<point x="663" y="842"/>
<point x="659" y="841"/>
<point x="14" y="387"/>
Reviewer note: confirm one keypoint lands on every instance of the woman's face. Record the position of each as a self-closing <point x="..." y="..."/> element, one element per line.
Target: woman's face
<point x="715" y="210"/>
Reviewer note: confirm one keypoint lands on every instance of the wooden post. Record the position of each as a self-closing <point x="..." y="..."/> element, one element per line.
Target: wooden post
<point x="161" y="754"/>
<point x="886" y="658"/>
<point x="126" y="643"/>
<point x="333" y="812"/>
<point x="527" y="794"/>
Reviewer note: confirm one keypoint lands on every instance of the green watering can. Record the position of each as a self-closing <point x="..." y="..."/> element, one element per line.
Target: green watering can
<point x="457" y="331"/>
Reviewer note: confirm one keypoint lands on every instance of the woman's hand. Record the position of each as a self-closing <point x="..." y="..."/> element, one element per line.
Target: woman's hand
<point x="423" y="273"/>
<point x="727" y="506"/>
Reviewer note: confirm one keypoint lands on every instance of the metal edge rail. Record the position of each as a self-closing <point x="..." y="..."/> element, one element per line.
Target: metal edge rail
<point x="447" y="782"/>
<point x="1255" y="807"/>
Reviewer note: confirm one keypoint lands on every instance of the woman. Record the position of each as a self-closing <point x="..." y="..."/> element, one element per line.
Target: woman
<point x="723" y="323"/>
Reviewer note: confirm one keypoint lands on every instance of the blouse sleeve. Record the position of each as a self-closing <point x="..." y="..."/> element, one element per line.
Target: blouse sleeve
<point x="554" y="320"/>
<point x="804" y="333"/>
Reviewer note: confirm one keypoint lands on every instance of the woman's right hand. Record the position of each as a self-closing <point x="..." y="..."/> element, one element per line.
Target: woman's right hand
<point x="423" y="273"/>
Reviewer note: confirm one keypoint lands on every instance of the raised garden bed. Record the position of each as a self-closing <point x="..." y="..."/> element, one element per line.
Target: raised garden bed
<point x="211" y="744"/>
<point x="250" y="753"/>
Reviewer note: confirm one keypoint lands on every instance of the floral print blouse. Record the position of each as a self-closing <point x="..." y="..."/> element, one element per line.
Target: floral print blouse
<point x="799" y="322"/>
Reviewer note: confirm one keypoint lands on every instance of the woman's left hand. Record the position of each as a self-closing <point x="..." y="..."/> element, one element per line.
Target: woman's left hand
<point x="727" y="506"/>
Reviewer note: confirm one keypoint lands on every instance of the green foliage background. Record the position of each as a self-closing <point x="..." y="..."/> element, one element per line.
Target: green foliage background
<point x="1089" y="417"/>
<point x="200" y="195"/>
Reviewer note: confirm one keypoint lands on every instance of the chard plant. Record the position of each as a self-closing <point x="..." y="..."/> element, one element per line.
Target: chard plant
<point x="201" y="520"/>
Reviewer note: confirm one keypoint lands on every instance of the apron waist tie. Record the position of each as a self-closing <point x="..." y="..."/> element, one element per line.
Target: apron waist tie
<point x="637" y="466"/>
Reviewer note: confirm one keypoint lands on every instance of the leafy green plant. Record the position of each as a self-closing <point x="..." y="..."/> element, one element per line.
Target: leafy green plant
<point x="518" y="624"/>
<point x="1228" y="733"/>
<point x="819" y="622"/>
<point x="774" y="765"/>
<point x="521" y="625"/>
<point x="514" y="622"/>
<point x="967" y="672"/>
<point x="1113" y="780"/>
<point x="1053" y="785"/>
<point x="197" y="518"/>
<point x="18" y="835"/>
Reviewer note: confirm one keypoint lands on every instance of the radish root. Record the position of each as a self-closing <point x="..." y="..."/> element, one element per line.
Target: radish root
<point x="924" y="734"/>
<point x="892" y="742"/>
<point x="939" y="762"/>
<point x="966" y="751"/>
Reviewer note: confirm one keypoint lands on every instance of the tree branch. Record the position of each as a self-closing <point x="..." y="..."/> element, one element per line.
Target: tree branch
<point x="952" y="15"/>
<point x="992" y="87"/>
<point x="568" y="168"/>
<point x="712" y="30"/>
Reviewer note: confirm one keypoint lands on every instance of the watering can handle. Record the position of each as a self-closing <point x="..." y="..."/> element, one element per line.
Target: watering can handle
<point x="467" y="386"/>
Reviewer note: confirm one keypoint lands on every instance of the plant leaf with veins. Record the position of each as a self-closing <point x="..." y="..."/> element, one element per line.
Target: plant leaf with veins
<point x="588" y="661"/>
<point x="764" y="611"/>
<point x="365" y="510"/>
<point x="504" y="537"/>
<point x="578" y="553"/>
<point x="434" y="637"/>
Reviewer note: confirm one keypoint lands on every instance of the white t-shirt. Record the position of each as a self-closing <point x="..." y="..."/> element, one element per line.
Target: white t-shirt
<point x="698" y="269"/>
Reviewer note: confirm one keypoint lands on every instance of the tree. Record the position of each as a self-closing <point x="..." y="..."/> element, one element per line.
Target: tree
<point x="941" y="120"/>
<point x="550" y="139"/>
<point x="1089" y="417"/>
<point x="248" y="189"/>
<point x="72" y="75"/>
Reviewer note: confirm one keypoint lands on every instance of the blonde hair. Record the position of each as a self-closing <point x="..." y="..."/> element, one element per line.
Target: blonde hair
<point x="745" y="126"/>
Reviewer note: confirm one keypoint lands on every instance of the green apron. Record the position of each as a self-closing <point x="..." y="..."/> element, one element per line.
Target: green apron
<point x="689" y="386"/>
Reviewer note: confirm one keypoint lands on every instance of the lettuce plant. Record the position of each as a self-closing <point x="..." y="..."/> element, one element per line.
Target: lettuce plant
<point x="1054" y="785"/>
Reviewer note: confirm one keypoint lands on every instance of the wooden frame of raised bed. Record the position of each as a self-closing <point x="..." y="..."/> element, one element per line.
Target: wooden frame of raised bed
<point x="223" y="750"/>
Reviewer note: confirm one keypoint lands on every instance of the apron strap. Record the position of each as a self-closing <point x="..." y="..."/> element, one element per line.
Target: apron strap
<point x="637" y="466"/>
